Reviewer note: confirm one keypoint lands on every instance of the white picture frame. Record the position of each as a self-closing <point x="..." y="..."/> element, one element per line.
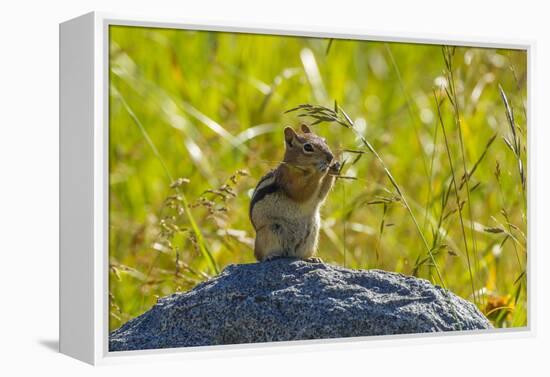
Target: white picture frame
<point x="84" y="188"/>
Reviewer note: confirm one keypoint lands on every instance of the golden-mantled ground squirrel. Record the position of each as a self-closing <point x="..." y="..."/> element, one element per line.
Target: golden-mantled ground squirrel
<point x="284" y="209"/>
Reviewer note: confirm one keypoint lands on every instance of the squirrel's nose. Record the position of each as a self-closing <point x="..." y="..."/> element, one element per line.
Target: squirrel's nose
<point x="330" y="157"/>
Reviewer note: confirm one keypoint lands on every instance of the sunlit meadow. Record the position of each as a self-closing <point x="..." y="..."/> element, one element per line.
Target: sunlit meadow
<point x="433" y="141"/>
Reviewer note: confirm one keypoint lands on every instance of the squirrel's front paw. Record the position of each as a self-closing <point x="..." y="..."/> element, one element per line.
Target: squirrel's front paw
<point x="334" y="168"/>
<point x="314" y="260"/>
<point x="272" y="257"/>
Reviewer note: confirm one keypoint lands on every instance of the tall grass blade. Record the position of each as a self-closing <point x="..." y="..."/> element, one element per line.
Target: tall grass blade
<point x="457" y="195"/>
<point x="449" y="52"/>
<point x="313" y="75"/>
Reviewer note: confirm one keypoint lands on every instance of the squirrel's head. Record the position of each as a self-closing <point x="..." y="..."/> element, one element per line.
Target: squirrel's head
<point x="307" y="150"/>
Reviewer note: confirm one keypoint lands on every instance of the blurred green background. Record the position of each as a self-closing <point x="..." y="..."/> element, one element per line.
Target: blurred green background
<point x="196" y="119"/>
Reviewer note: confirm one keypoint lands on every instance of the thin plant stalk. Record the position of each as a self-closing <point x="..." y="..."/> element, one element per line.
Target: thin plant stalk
<point x="456" y="195"/>
<point x="448" y="54"/>
<point x="430" y="178"/>
<point x="515" y="143"/>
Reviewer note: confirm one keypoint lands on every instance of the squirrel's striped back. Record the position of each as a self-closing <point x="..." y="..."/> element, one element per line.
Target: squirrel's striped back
<point x="267" y="185"/>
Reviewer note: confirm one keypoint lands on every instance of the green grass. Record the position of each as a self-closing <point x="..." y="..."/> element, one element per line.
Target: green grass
<point x="433" y="139"/>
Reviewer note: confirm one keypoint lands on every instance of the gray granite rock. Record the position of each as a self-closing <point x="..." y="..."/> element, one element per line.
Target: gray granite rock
<point x="288" y="299"/>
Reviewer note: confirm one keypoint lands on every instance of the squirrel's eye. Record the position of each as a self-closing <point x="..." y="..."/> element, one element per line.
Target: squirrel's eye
<point x="308" y="147"/>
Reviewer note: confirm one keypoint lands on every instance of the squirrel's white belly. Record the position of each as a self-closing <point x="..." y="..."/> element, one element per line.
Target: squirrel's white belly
<point x="296" y="232"/>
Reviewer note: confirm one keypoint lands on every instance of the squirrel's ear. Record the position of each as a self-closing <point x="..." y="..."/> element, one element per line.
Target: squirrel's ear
<point x="290" y="134"/>
<point x="305" y="129"/>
